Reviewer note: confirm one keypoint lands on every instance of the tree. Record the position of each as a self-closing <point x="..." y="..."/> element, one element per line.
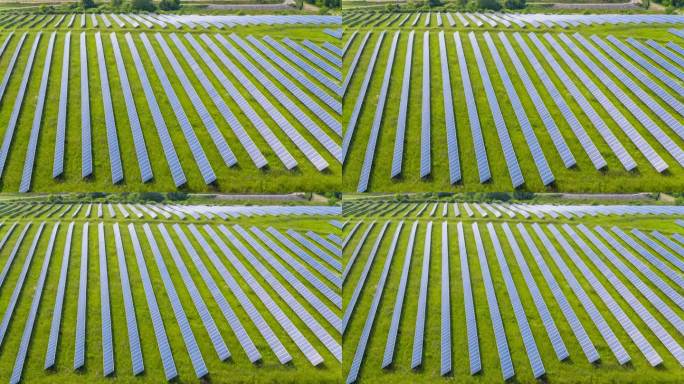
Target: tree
<point x="489" y="4"/>
<point x="85" y="4"/>
<point x="169" y="5"/>
<point x="116" y="3"/>
<point x="515" y="4"/>
<point x="143" y="5"/>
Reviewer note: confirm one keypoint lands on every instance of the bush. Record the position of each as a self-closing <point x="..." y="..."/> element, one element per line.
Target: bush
<point x="85" y="4"/>
<point x="151" y="196"/>
<point x="494" y="5"/>
<point x="143" y="5"/>
<point x="515" y="4"/>
<point x="169" y="5"/>
<point x="176" y="196"/>
<point x="116" y="3"/>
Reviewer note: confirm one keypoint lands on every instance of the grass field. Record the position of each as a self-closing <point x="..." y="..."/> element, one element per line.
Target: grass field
<point x="581" y="178"/>
<point x="237" y="369"/>
<point x="244" y="177"/>
<point x="575" y="369"/>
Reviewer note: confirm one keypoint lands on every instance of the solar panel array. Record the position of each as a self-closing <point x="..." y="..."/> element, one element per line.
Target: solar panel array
<point x="546" y="244"/>
<point x="649" y="129"/>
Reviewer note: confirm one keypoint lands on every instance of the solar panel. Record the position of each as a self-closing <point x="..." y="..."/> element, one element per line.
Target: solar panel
<point x="37" y="119"/>
<point x="313" y="72"/>
<point x="473" y="117"/>
<point x="328" y="293"/>
<point x="162" y="131"/>
<point x="86" y="140"/>
<point x="671" y="244"/>
<point x="637" y="282"/>
<point x="659" y="264"/>
<point x="205" y="167"/>
<point x="656" y="161"/>
<point x="12" y="61"/>
<point x="349" y="311"/>
<point x="71" y="21"/>
<point x="668" y="66"/>
<point x="398" y="156"/>
<point x="324" y="243"/>
<point x="636" y="336"/>
<point x="425" y="146"/>
<point x="186" y="332"/>
<point x="201" y="307"/>
<point x="596" y="317"/>
<point x="321" y="333"/>
<point x="655" y="326"/>
<point x="273" y="112"/>
<point x="635" y="110"/>
<point x="320" y="268"/>
<point x="80" y="334"/>
<point x="640" y="75"/>
<point x="506" y="144"/>
<point x="419" y="334"/>
<point x="290" y="106"/>
<point x="105" y="312"/>
<point x="660" y="250"/>
<point x="33" y="311"/>
<point x="110" y="121"/>
<point x="471" y="319"/>
<point x="304" y="345"/>
<point x="133" y="120"/>
<point x="377" y="119"/>
<point x="307" y="101"/>
<point x="59" y="21"/>
<point x="648" y="66"/>
<point x="129" y="306"/>
<point x="370" y="319"/>
<point x="526" y="332"/>
<point x="60" y="138"/>
<point x="494" y="314"/>
<point x="547" y="119"/>
<point x="332" y="318"/>
<point x="610" y="139"/>
<point x="356" y="111"/>
<point x="450" y="124"/>
<point x="157" y="321"/>
<point x="446" y="305"/>
<point x="276" y="345"/>
<point x="336" y="60"/>
<point x="14" y="117"/>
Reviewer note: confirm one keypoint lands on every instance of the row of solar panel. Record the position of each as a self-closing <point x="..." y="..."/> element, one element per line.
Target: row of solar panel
<point x="666" y="118"/>
<point x="670" y="344"/>
<point x="329" y="340"/>
<point x="507" y="20"/>
<point x="117" y="174"/>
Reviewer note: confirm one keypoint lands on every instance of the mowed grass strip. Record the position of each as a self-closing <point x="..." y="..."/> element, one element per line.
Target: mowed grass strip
<point x="237" y="368"/>
<point x="583" y="177"/>
<point x="575" y="369"/>
<point x="243" y="177"/>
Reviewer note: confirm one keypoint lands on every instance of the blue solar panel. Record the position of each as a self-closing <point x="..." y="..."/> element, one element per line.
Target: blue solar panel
<point x="370" y="319"/>
<point x="449" y="120"/>
<point x="471" y="319"/>
<point x="419" y="334"/>
<point x="494" y="312"/>
<point x="356" y="111"/>
<point x="313" y="72"/>
<point x="660" y="250"/>
<point x="37" y="119"/>
<point x="351" y="305"/>
<point x="105" y="311"/>
<point x="446" y="305"/>
<point x="59" y="301"/>
<point x="60" y="138"/>
<point x="425" y="145"/>
<point x="35" y="303"/>
<point x="506" y="144"/>
<point x="610" y="139"/>
<point x="80" y="334"/>
<point x="162" y="131"/>
<point x="86" y="140"/>
<point x="273" y="341"/>
<point x="133" y="120"/>
<point x="521" y="317"/>
<point x="129" y="306"/>
<point x="398" y="156"/>
<point x="596" y="317"/>
<point x="14" y="117"/>
<point x="12" y="61"/>
<point x="157" y="321"/>
<point x="320" y="268"/>
<point x="377" y="119"/>
<point x="186" y="332"/>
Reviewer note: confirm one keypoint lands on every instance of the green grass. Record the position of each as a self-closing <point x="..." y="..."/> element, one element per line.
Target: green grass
<point x="238" y="369"/>
<point x="244" y="177"/>
<point x="582" y="178"/>
<point x="575" y="369"/>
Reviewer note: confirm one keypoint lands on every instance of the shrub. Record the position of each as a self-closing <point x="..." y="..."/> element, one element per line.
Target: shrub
<point x="85" y="4"/>
<point x="515" y="4"/>
<point x="143" y="5"/>
<point x="494" y="5"/>
<point x="169" y="5"/>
